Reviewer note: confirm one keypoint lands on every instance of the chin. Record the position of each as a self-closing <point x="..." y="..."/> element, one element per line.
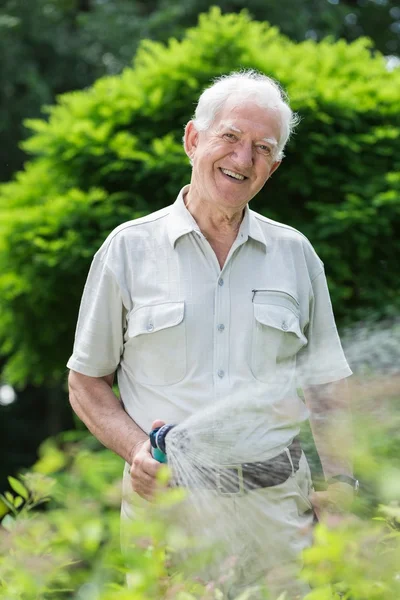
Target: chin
<point x="234" y="199"/>
<point x="238" y="204"/>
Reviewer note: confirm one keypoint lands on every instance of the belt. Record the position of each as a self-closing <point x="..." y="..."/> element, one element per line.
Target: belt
<point x="233" y="480"/>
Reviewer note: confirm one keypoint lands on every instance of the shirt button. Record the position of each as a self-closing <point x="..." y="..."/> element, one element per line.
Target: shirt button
<point x="150" y="327"/>
<point x="220" y="281"/>
<point x="221" y="373"/>
<point x="284" y="326"/>
<point x="221" y="327"/>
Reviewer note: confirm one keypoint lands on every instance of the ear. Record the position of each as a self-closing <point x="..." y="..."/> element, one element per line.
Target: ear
<point x="190" y="139"/>
<point x="274" y="167"/>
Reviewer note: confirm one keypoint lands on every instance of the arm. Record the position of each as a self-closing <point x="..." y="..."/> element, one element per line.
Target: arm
<point x="331" y="425"/>
<point x="96" y="405"/>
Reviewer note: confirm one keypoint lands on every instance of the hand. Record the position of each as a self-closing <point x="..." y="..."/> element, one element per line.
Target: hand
<point x="144" y="468"/>
<point x="333" y="503"/>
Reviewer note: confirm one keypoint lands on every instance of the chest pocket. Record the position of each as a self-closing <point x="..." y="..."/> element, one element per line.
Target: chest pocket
<point x="277" y="335"/>
<point x="155" y="344"/>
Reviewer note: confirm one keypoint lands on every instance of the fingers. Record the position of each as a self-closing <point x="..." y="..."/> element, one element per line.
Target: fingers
<point x="322" y="501"/>
<point x="335" y="501"/>
<point x="157" y="423"/>
<point x="144" y="468"/>
<point x="322" y="505"/>
<point x="144" y="471"/>
<point x="319" y="499"/>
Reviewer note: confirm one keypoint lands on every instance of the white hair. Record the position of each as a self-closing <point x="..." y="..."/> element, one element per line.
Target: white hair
<point x="246" y="85"/>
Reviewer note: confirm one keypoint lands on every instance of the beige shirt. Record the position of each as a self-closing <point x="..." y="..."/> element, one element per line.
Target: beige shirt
<point x="183" y="334"/>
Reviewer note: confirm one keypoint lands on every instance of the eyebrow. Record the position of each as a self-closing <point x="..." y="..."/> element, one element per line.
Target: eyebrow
<point x="230" y="126"/>
<point x="271" y="141"/>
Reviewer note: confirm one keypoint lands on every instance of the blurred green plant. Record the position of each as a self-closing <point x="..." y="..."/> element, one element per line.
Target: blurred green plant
<point x="360" y="558"/>
<point x="113" y="152"/>
<point x="356" y="560"/>
<point x="71" y="548"/>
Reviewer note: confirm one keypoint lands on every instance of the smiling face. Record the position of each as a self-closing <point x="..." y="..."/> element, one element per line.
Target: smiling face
<point x="233" y="159"/>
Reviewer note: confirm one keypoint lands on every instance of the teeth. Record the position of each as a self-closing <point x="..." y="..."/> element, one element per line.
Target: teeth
<point x="233" y="174"/>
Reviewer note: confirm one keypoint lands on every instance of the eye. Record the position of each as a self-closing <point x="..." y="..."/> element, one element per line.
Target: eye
<point x="264" y="149"/>
<point x="230" y="136"/>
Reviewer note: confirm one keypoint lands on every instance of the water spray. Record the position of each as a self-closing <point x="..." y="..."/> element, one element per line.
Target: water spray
<point x="220" y="456"/>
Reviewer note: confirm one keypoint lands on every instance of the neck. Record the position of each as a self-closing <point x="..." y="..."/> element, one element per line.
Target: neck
<point x="216" y="223"/>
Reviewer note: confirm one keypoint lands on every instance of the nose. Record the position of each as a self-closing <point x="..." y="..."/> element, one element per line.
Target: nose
<point x="243" y="155"/>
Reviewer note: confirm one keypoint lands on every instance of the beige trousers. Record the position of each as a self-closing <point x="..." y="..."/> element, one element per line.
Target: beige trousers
<point x="257" y="537"/>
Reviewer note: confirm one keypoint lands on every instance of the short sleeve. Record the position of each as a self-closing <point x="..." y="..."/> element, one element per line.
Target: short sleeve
<point x="322" y="360"/>
<point x="99" y="334"/>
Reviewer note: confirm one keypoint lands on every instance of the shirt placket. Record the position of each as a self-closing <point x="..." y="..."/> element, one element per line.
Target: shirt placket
<point x="222" y="324"/>
<point x="222" y="321"/>
<point x="222" y="330"/>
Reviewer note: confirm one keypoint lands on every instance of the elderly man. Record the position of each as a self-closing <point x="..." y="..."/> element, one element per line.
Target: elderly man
<point x="206" y="298"/>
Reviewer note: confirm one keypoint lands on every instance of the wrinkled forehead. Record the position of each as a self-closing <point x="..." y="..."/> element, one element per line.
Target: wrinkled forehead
<point x="248" y="117"/>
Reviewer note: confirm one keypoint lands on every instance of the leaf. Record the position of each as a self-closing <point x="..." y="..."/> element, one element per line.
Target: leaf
<point x="8" y="522"/>
<point x="3" y="508"/>
<point x="163" y="474"/>
<point x="9" y="504"/>
<point x="51" y="459"/>
<point x="18" y="487"/>
<point x="18" y="501"/>
<point x="9" y="497"/>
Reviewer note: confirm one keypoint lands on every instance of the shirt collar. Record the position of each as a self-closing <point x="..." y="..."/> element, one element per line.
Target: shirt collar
<point x="250" y="227"/>
<point x="182" y="222"/>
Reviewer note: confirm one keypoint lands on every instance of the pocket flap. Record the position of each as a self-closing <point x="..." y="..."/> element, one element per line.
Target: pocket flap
<point x="148" y="319"/>
<point x="278" y="317"/>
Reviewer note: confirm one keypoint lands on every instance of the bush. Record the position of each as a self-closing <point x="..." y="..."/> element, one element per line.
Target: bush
<point x="71" y="549"/>
<point x="113" y="152"/>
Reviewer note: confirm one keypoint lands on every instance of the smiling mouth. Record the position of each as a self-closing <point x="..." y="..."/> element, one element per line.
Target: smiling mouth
<point x="233" y="175"/>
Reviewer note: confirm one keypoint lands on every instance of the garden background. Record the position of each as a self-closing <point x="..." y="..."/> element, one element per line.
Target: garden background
<point x="75" y="164"/>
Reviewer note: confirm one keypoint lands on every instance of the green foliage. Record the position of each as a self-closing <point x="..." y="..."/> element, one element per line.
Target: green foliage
<point x="52" y="46"/>
<point x="360" y="557"/>
<point x="113" y="152"/>
<point x="72" y="548"/>
<point x="52" y="552"/>
<point x="315" y="19"/>
<point x="40" y="46"/>
<point x="359" y="560"/>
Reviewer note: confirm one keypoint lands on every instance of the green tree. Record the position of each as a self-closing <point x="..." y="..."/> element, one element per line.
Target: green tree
<point x="314" y="19"/>
<point x="52" y="46"/>
<point x="40" y="50"/>
<point x="113" y="152"/>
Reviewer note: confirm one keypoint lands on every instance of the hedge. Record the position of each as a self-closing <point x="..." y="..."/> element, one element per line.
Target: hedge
<point x="113" y="152"/>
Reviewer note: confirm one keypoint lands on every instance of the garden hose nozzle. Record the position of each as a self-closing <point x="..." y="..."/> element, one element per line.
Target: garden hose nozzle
<point x="157" y="441"/>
